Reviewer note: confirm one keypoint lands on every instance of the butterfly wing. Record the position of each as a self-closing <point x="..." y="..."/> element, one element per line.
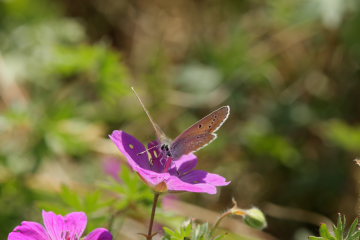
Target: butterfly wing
<point x="200" y="134"/>
<point x="190" y="144"/>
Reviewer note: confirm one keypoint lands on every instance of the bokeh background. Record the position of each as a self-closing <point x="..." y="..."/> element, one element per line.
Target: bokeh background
<point x="288" y="69"/>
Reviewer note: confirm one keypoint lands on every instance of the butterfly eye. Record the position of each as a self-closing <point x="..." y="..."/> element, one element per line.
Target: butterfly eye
<point x="162" y="147"/>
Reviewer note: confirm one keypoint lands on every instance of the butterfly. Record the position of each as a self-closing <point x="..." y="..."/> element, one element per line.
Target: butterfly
<point x="192" y="139"/>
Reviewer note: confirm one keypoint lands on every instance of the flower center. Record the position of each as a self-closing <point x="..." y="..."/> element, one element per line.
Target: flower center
<point x="66" y="236"/>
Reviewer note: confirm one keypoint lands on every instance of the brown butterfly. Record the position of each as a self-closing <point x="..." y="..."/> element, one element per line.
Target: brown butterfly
<point x="192" y="139"/>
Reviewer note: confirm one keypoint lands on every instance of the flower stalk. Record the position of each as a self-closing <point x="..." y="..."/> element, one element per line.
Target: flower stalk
<point x="252" y="217"/>
<point x="152" y="217"/>
<point x="224" y="215"/>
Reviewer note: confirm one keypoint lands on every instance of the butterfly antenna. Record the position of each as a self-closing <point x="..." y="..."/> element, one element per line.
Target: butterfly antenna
<point x="147" y="150"/>
<point x="159" y="133"/>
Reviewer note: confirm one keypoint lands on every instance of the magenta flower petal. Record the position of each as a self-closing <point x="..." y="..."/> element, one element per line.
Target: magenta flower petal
<point x="57" y="227"/>
<point x="153" y="178"/>
<point x="186" y="163"/>
<point x="99" y="234"/>
<point x="176" y="184"/>
<point x="75" y="224"/>
<point x="29" y="231"/>
<point x="54" y="224"/>
<point x="21" y="236"/>
<point x="131" y="147"/>
<point x="155" y="172"/>
<point x="200" y="176"/>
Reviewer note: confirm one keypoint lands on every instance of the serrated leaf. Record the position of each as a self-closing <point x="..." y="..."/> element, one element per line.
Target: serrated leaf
<point x="188" y="229"/>
<point x="355" y="236"/>
<point x="71" y="198"/>
<point x="352" y="228"/>
<point x="203" y="229"/>
<point x="339" y="229"/>
<point x="91" y="202"/>
<point x="324" y="232"/>
<point x="168" y="231"/>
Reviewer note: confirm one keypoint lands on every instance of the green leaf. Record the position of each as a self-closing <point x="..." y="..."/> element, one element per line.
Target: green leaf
<point x="352" y="228"/>
<point x="91" y="202"/>
<point x="168" y="231"/>
<point x="70" y="197"/>
<point x="191" y="231"/>
<point x="339" y="231"/>
<point x="340" y="228"/>
<point x="219" y="237"/>
<point x="355" y="236"/>
<point x="324" y="232"/>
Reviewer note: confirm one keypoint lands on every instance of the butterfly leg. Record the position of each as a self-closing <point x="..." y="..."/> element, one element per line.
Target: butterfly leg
<point x="161" y="158"/>
<point x="163" y="161"/>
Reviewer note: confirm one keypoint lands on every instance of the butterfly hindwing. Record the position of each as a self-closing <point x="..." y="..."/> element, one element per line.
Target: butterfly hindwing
<point x="190" y="144"/>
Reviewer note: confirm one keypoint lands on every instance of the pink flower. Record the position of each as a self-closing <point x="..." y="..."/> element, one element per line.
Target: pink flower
<point x="181" y="176"/>
<point x="57" y="227"/>
<point x="112" y="166"/>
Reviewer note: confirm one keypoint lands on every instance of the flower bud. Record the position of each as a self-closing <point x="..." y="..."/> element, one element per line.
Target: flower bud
<point x="255" y="218"/>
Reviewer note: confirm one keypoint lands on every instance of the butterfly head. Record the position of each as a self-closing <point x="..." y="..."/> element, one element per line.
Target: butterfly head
<point x="166" y="149"/>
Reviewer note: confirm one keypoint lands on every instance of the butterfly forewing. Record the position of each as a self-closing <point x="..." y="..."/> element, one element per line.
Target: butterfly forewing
<point x="200" y="134"/>
<point x="208" y="124"/>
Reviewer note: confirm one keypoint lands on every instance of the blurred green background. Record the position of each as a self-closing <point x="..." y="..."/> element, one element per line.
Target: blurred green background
<point x="288" y="69"/>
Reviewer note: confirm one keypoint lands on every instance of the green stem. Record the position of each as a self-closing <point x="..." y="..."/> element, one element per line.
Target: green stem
<point x="225" y="214"/>
<point x="156" y="198"/>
